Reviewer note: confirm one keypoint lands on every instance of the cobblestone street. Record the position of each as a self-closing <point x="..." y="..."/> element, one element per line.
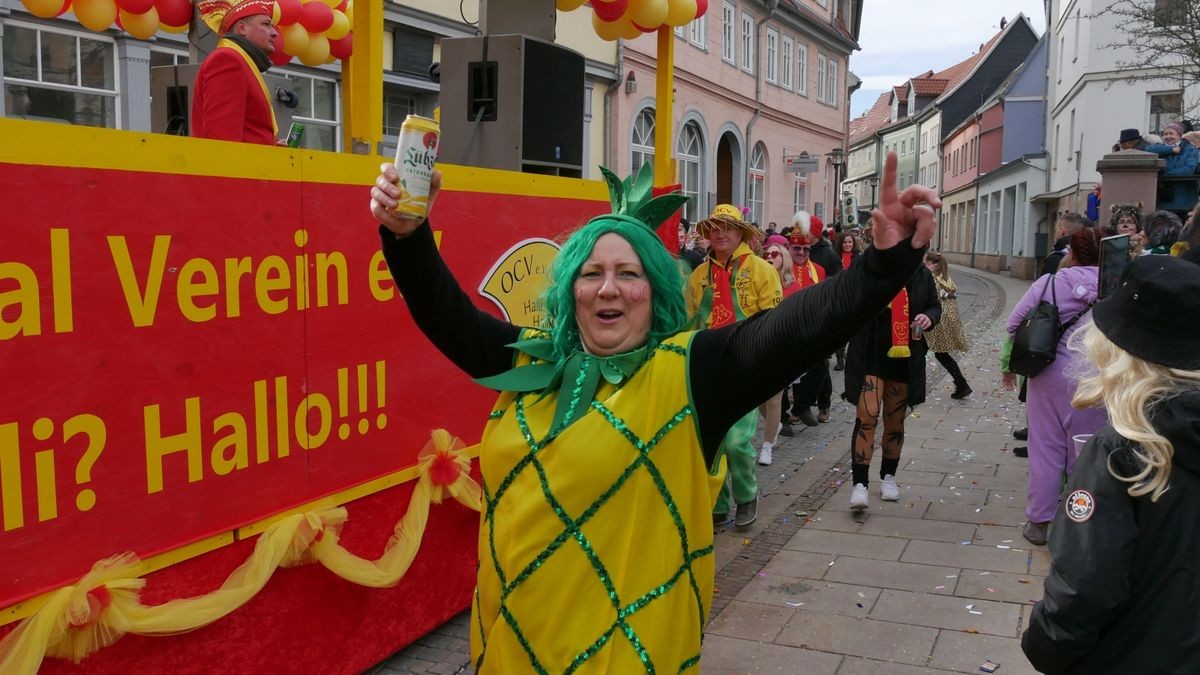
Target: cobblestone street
<point x="939" y="582"/>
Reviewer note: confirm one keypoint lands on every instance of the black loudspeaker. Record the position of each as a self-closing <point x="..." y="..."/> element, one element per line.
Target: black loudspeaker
<point x="512" y="102"/>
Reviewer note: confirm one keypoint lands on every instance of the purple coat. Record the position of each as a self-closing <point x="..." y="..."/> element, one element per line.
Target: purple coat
<point x="1075" y="287"/>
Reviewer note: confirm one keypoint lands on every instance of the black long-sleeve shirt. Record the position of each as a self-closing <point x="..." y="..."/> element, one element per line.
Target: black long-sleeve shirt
<point x="732" y="369"/>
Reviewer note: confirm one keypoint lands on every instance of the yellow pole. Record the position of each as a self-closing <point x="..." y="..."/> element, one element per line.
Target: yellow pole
<point x="664" y="166"/>
<point x="362" y="81"/>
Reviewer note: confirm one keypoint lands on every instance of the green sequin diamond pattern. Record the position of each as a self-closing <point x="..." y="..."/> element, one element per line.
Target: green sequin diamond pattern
<point x="573" y="532"/>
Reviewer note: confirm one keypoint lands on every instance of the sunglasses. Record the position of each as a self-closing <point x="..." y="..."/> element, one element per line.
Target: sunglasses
<point x="773" y="254"/>
<point x="801" y="248"/>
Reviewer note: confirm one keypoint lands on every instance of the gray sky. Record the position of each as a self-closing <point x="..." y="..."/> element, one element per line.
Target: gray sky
<point x="900" y="38"/>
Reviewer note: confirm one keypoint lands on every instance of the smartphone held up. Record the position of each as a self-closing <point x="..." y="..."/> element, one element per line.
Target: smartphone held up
<point x="1114" y="258"/>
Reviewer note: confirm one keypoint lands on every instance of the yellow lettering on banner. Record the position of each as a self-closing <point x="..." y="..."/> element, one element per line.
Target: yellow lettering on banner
<point x="272" y="275"/>
<point x="60" y="278"/>
<point x="159" y="446"/>
<point x="47" y="485"/>
<point x="142" y="303"/>
<point x="262" y="445"/>
<point x="188" y="289"/>
<point x="382" y="286"/>
<point x="222" y="461"/>
<point x="282" y="439"/>
<point x="28" y="320"/>
<point x="325" y="263"/>
<point x="235" y="269"/>
<point x="320" y="402"/>
<point x="10" y="477"/>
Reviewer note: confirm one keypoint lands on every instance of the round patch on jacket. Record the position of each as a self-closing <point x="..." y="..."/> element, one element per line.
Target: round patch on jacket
<point x="1080" y="506"/>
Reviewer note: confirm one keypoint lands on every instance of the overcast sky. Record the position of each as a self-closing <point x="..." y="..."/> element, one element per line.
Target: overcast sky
<point x="900" y="39"/>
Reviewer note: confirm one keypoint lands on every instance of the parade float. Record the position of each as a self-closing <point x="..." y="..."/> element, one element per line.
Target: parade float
<point x="224" y="445"/>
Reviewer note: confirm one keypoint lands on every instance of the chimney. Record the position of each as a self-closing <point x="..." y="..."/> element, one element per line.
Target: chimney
<point x="1003" y="23"/>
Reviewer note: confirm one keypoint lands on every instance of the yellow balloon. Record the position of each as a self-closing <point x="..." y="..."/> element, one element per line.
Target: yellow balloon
<point x="332" y="3"/>
<point x="295" y="39"/>
<point x="174" y="29"/>
<point x="349" y="12"/>
<point x="340" y="27"/>
<point x="317" y="52"/>
<point x="95" y="15"/>
<point x="45" y="9"/>
<point x="275" y="14"/>
<point x="681" y="12"/>
<point x="647" y="13"/>
<point x="140" y="26"/>
<point x="568" y="5"/>
<point x="607" y="30"/>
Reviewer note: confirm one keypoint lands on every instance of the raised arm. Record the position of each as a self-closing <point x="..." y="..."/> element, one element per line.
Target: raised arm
<point x="470" y="337"/>
<point x="738" y="367"/>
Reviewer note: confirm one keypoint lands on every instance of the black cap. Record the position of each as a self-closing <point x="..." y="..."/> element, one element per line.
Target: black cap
<point x="1155" y="312"/>
<point x="1129" y="135"/>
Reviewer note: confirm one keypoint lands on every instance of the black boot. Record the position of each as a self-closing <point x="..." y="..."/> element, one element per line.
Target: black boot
<point x="961" y="390"/>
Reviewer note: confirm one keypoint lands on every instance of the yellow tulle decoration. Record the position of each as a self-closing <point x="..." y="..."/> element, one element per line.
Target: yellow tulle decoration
<point x="105" y="605"/>
<point x="899" y="352"/>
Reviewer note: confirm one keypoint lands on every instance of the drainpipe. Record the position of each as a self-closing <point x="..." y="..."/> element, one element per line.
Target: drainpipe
<point x="609" y="122"/>
<point x="772" y="5"/>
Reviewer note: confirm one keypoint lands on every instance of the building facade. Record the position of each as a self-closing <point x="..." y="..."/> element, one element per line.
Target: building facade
<point x="1091" y="100"/>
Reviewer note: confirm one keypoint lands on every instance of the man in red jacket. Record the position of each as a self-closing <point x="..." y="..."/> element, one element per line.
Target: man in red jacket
<point x="231" y="100"/>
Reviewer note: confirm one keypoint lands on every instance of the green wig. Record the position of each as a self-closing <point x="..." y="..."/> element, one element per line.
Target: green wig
<point x="634" y="218"/>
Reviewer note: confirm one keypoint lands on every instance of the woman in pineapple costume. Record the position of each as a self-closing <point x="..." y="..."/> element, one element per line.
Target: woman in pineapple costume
<point x="599" y="460"/>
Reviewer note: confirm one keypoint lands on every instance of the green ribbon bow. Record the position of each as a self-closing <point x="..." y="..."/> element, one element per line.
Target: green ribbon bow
<point x="575" y="378"/>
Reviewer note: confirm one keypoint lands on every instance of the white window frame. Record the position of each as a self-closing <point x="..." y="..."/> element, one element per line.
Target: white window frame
<point x="336" y="122"/>
<point x="747" y="42"/>
<point x="698" y="32"/>
<point x="693" y="208"/>
<point x="787" y="65"/>
<point x="800" y="195"/>
<point x="832" y="92"/>
<point x="645" y="147"/>
<point x="756" y="188"/>
<point x="822" y="63"/>
<point x="772" y="56"/>
<point x="729" y="34"/>
<point x="40" y="83"/>
<point x="802" y="69"/>
<point x="1165" y="116"/>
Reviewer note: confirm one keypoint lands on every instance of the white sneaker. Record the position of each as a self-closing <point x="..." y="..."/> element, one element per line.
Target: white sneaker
<point x="859" y="499"/>
<point x="764" y="455"/>
<point x="888" y="491"/>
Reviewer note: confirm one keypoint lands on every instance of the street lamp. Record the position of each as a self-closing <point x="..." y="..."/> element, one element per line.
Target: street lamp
<point x="873" y="181"/>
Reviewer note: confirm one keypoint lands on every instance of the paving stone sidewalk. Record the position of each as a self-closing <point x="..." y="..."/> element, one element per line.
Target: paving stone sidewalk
<point x="811" y="589"/>
<point x="939" y="582"/>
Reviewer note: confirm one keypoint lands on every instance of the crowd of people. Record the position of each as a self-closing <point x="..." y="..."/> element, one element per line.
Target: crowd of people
<point x="634" y="350"/>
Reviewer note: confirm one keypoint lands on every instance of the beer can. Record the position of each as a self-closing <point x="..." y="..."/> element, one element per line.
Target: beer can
<point x="295" y="135"/>
<point x="415" y="157"/>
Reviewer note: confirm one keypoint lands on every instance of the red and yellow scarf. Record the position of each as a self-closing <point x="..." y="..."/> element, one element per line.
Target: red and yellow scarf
<point x="900" y="337"/>
<point x="808" y="274"/>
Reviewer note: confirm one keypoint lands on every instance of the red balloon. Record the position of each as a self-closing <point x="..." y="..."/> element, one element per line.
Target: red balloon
<point x="342" y="6"/>
<point x="135" y="6"/>
<point x="278" y="57"/>
<point x="174" y="12"/>
<point x="610" y="10"/>
<point x="341" y="49"/>
<point x="701" y="8"/>
<point x="289" y="11"/>
<point x="316" y="16"/>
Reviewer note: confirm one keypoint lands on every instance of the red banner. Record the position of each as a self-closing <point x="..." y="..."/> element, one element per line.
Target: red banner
<point x="186" y="354"/>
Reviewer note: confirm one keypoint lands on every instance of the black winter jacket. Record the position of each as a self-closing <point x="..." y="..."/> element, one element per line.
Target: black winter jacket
<point x="822" y="254"/>
<point x="1123" y="595"/>
<point x="870" y="344"/>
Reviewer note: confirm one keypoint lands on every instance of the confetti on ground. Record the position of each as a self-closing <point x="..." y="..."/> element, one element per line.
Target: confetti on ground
<point x="970" y="606"/>
<point x="802" y="513"/>
<point x="1024" y="581"/>
<point x="795" y="604"/>
<point x="991" y="590"/>
<point x="964" y="543"/>
<point x="1003" y="546"/>
<point x="975" y="611"/>
<point x="951" y="576"/>
<point x="972" y="631"/>
<point x="831" y="563"/>
<point x="984" y="574"/>
<point x="988" y="667"/>
<point x="939" y="588"/>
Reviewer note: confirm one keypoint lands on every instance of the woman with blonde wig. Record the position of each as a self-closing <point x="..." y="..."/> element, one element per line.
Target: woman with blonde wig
<point x="1124" y="590"/>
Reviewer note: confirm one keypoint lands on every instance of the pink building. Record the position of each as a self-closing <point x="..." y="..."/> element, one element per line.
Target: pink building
<point x="752" y="89"/>
<point x="991" y="137"/>
<point x="960" y="167"/>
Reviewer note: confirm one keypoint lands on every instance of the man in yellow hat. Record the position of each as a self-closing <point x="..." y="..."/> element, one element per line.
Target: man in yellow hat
<point x="231" y="100"/>
<point x="731" y="284"/>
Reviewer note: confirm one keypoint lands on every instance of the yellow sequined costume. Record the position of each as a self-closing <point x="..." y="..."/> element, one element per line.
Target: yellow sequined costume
<point x="596" y="548"/>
